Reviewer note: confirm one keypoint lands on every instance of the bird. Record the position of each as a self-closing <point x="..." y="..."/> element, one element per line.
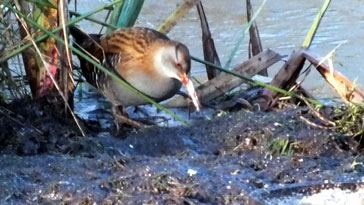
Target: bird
<point x="144" y="58"/>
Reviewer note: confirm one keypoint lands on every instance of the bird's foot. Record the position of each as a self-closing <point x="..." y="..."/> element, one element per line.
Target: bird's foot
<point x="121" y="118"/>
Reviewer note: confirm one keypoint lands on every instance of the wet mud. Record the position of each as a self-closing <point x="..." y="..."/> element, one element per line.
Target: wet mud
<point x="240" y="157"/>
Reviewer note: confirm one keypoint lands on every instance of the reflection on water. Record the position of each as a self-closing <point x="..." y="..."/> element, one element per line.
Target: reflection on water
<point x="283" y="25"/>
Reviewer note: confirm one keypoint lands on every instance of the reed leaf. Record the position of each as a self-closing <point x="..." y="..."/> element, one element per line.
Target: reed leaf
<point x="130" y="13"/>
<point x="125" y="14"/>
<point x="209" y="50"/>
<point x="93" y="20"/>
<point x="115" y="15"/>
<point x="255" y="44"/>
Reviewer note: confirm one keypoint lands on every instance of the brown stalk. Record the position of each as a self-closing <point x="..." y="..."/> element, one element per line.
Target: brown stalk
<point x="284" y="79"/>
<point x="255" y="44"/>
<point x="65" y="77"/>
<point x="325" y="121"/>
<point x="312" y="124"/>
<point x="29" y="61"/>
<point x="338" y="82"/>
<point x="208" y="44"/>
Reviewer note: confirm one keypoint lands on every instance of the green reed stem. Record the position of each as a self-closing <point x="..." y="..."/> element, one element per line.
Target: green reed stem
<point x="311" y="33"/>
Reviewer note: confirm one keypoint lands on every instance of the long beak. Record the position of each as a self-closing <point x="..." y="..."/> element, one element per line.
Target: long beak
<point x="190" y="90"/>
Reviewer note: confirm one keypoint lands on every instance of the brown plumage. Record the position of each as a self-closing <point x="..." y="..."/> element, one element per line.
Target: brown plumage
<point x="145" y="58"/>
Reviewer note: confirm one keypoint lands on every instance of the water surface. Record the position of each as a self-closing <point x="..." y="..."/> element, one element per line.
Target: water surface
<point x="283" y="25"/>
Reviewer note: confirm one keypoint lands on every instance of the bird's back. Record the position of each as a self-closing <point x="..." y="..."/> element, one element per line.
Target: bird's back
<point x="114" y="49"/>
<point x="126" y="52"/>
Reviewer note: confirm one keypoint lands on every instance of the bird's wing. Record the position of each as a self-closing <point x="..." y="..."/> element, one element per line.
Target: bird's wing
<point x="129" y="44"/>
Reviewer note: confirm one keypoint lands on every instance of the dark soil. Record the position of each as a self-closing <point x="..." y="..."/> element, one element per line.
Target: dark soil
<point x="233" y="158"/>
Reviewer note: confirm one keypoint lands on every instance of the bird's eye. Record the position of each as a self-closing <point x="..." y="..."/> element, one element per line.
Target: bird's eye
<point x="178" y="65"/>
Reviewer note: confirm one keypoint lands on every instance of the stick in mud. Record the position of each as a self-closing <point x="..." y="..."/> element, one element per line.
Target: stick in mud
<point x="255" y="44"/>
<point x="285" y="78"/>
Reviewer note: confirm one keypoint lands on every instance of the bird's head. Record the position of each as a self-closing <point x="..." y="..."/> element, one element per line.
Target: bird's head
<point x="174" y="61"/>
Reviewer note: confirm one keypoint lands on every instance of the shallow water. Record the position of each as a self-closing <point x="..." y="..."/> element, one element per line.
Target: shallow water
<point x="282" y="24"/>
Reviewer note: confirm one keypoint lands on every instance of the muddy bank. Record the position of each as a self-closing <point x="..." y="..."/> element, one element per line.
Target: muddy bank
<point x="233" y="158"/>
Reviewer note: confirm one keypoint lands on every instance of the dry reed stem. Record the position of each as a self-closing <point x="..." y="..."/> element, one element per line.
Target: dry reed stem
<point x="176" y="15"/>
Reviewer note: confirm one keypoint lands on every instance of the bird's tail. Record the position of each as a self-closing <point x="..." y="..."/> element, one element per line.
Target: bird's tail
<point x="89" y="44"/>
<point x="78" y="34"/>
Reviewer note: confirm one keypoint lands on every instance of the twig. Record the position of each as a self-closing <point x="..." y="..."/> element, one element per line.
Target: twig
<point x="317" y="114"/>
<point x="16" y="120"/>
<point x="338" y="82"/>
<point x="314" y="124"/>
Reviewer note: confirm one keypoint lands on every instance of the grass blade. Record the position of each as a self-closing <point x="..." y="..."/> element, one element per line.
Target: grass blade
<point x="311" y="33"/>
<point x="240" y="40"/>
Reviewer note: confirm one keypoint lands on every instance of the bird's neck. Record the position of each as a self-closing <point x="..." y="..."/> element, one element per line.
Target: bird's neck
<point x="163" y="62"/>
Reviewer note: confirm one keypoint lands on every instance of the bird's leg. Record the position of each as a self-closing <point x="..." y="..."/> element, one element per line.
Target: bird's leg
<point x="115" y="112"/>
<point x="121" y="117"/>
